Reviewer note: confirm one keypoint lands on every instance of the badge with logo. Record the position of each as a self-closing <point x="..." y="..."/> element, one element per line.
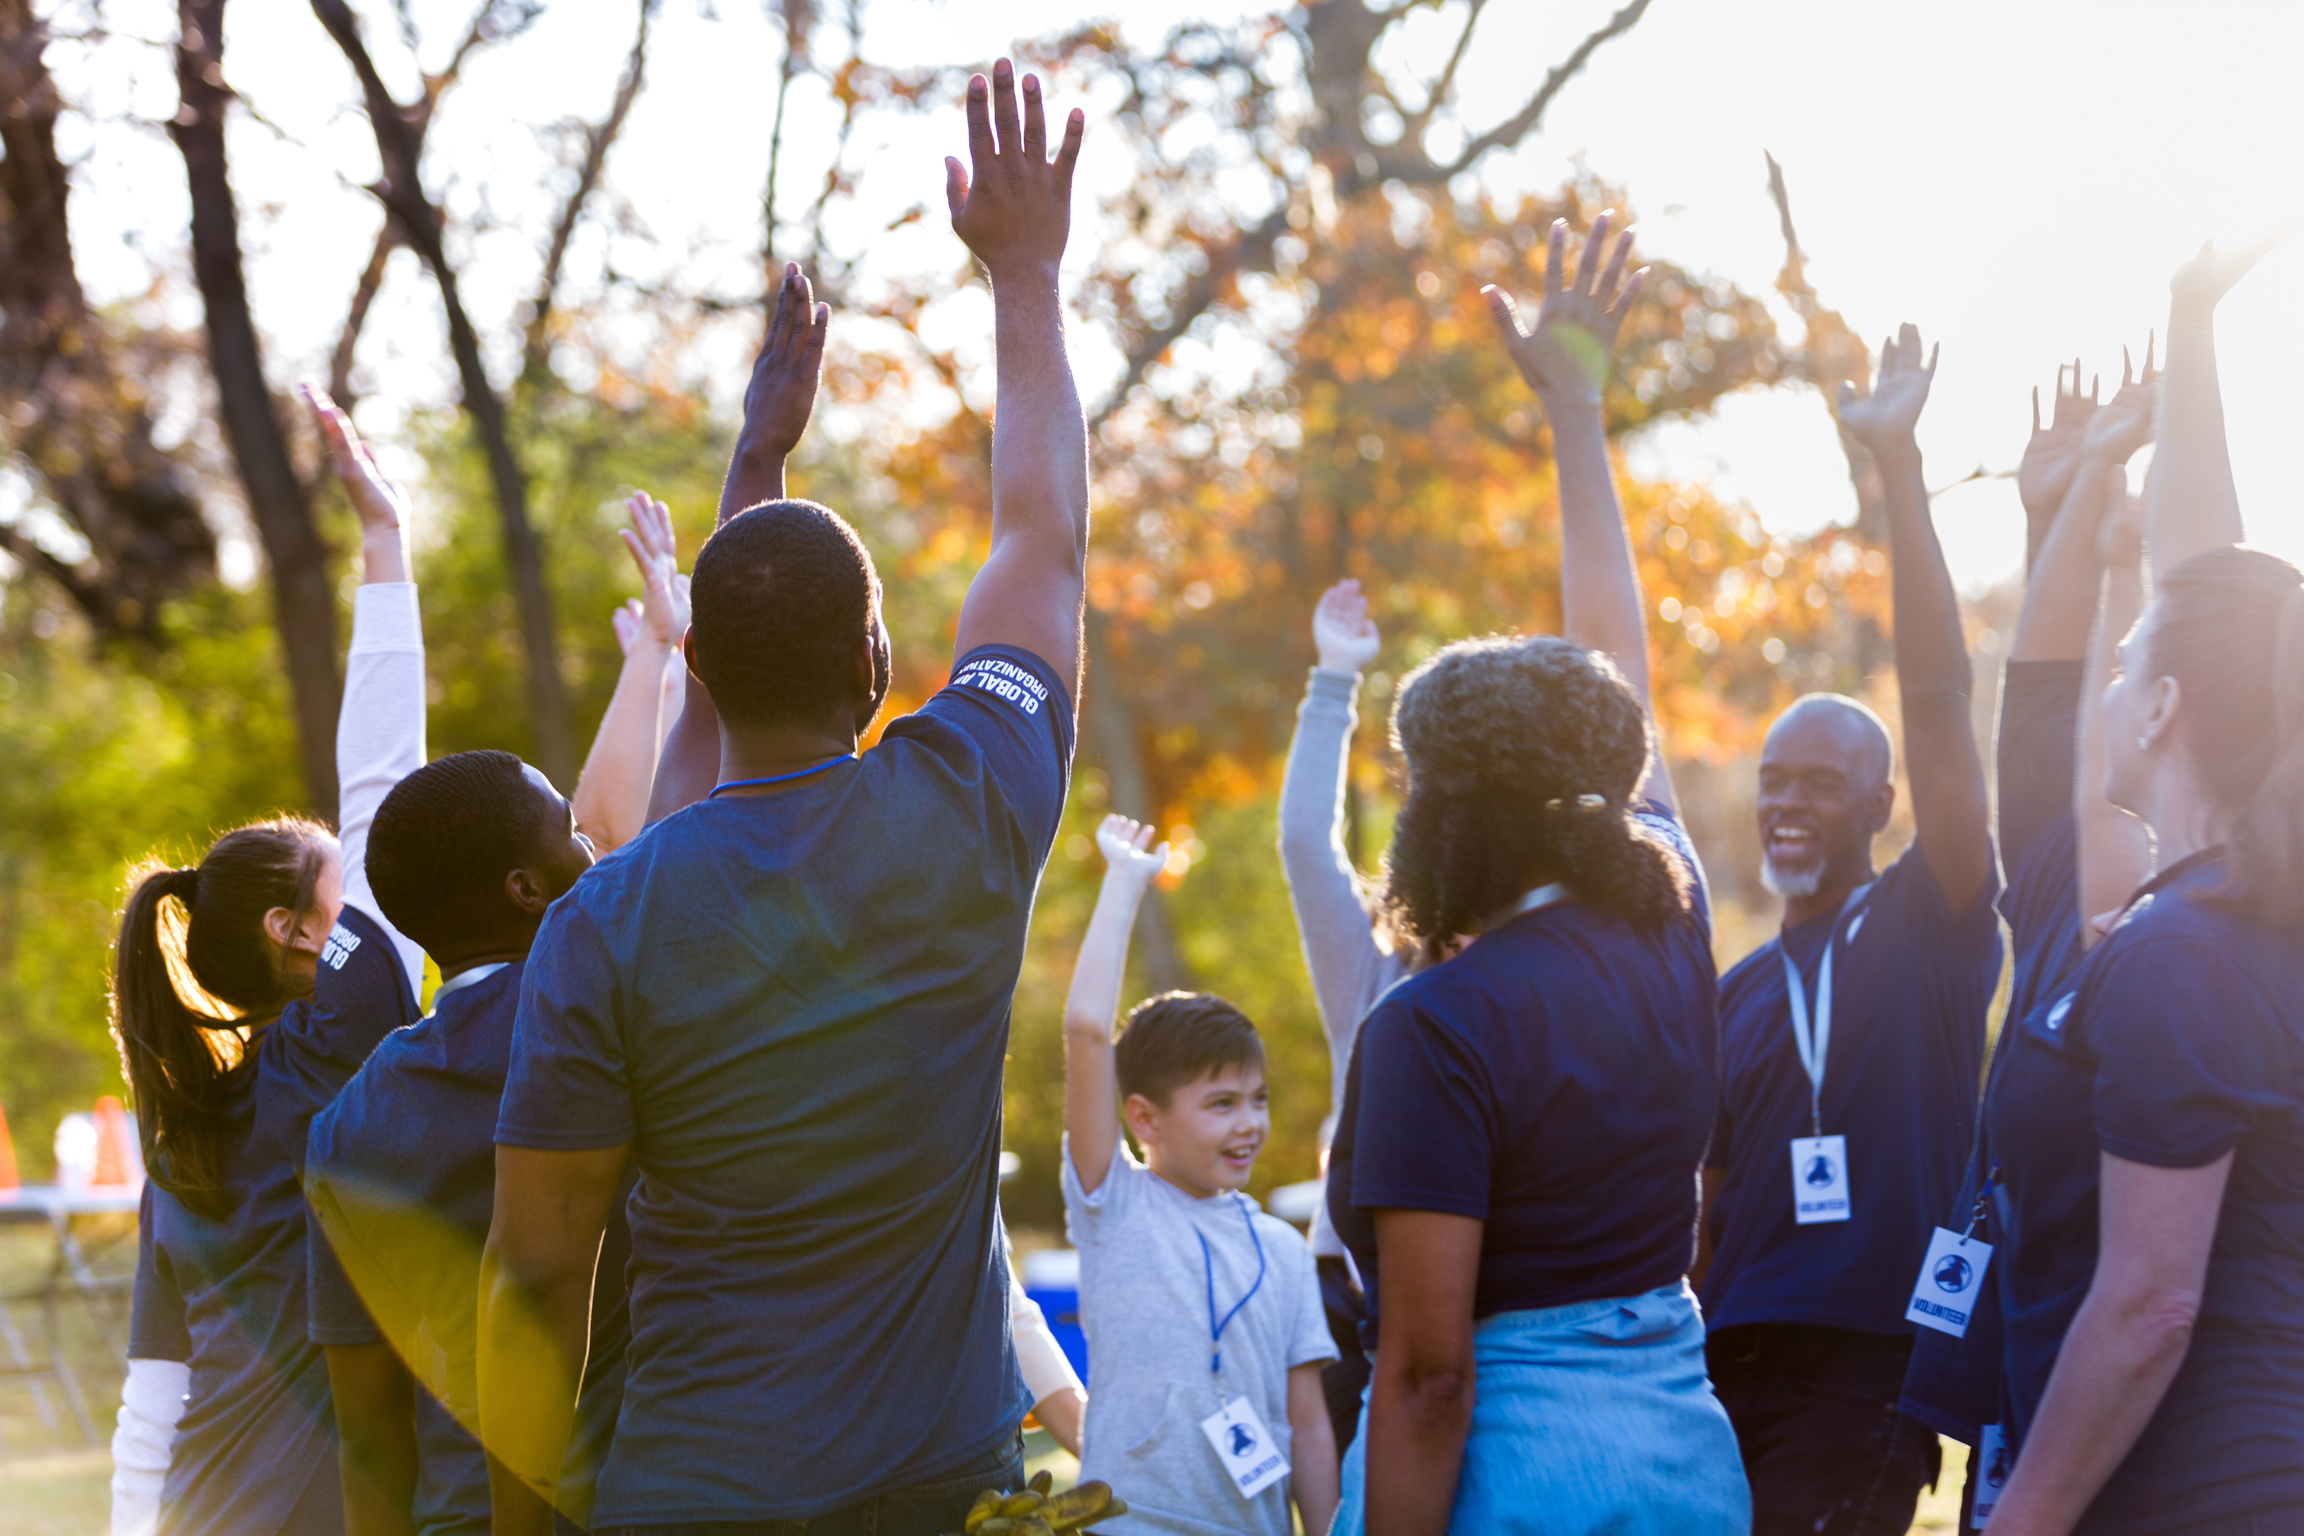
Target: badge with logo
<point x="1251" y="1457"/>
<point x="1951" y="1278"/>
<point x="1993" y="1458"/>
<point x="1820" y="1179"/>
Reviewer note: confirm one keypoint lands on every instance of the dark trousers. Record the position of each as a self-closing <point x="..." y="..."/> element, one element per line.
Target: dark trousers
<point x="926" y="1509"/>
<point x="1345" y="1378"/>
<point x="1815" y="1414"/>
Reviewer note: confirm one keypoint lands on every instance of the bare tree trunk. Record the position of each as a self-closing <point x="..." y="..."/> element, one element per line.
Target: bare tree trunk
<point x="303" y="602"/>
<point x="402" y="192"/>
<point x="80" y="421"/>
<point x="1112" y="729"/>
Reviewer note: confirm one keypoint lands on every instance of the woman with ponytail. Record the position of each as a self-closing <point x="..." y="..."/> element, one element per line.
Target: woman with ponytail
<point x="1514" y="1170"/>
<point x="246" y="990"/>
<point x="2148" y="1123"/>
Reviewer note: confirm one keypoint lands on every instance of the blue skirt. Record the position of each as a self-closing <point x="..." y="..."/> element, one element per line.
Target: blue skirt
<point x="1592" y="1417"/>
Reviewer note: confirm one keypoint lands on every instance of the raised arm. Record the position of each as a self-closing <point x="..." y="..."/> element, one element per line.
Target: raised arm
<point x="1014" y="210"/>
<point x="777" y="405"/>
<point x="1091" y="1086"/>
<point x="1339" y="941"/>
<point x="2060" y="599"/>
<point x="1932" y="671"/>
<point x="2051" y="459"/>
<point x="2115" y="848"/>
<point x="2191" y="504"/>
<point x="611" y="799"/>
<point x="380" y="725"/>
<point x="1565" y="359"/>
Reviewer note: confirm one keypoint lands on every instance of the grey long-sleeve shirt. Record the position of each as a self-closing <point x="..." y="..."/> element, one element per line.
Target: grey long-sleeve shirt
<point x="1350" y="969"/>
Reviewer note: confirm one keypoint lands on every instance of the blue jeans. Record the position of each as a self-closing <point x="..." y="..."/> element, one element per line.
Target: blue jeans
<point x="926" y="1509"/>
<point x="1595" y="1416"/>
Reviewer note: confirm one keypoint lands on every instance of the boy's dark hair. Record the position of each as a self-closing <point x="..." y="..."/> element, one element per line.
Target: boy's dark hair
<point x="780" y="598"/>
<point x="1170" y="1040"/>
<point x="445" y="838"/>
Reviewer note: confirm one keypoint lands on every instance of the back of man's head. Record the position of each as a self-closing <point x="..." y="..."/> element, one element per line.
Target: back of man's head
<point x="781" y="597"/>
<point x="443" y="842"/>
<point x="1181" y="1037"/>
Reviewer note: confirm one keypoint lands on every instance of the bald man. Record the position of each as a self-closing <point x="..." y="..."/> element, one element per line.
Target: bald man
<point x="1851" y="1047"/>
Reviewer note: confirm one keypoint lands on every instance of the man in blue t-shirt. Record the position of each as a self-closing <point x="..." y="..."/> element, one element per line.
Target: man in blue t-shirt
<point x="466" y="855"/>
<point x="1851" y="1048"/>
<point x="788" y="1003"/>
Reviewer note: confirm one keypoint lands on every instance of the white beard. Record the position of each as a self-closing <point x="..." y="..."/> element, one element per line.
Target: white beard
<point x="1789" y="887"/>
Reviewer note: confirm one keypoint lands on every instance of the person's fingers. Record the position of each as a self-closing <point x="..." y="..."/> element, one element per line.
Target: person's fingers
<point x="1595" y="248"/>
<point x="1613" y="274"/>
<point x="1908" y="336"/>
<point x="1068" y="155"/>
<point x="955" y="187"/>
<point x="1847" y="395"/>
<point x="980" y="146"/>
<point x="1035" y="123"/>
<point x="2151" y="338"/>
<point x="1556" y="261"/>
<point x="1934" y="353"/>
<point x="1143" y="838"/>
<point x="2095" y="389"/>
<point x="2035" y="408"/>
<point x="1506" y="313"/>
<point x="779" y="320"/>
<point x="1632" y="291"/>
<point x="639" y="551"/>
<point x="1005" y="122"/>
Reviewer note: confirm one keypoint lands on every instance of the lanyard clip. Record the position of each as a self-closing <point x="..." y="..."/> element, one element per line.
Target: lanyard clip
<point x="1983" y="1202"/>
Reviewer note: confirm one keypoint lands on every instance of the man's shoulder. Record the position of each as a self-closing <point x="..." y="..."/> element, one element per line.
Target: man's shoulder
<point x="1766" y="961"/>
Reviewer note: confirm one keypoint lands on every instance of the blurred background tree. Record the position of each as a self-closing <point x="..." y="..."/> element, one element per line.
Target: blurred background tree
<point x="1297" y="382"/>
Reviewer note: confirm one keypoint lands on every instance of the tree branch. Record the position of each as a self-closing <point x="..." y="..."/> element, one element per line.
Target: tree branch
<point x="1518" y="126"/>
<point x="1442" y="88"/>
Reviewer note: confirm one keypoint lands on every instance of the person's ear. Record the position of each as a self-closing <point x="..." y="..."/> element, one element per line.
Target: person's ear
<point x="2163" y="704"/>
<point x="1883" y="807"/>
<point x="529" y="891"/>
<point x="1142" y="1118"/>
<point x="292" y="936"/>
<point x="864" y="676"/>
<point x="688" y="652"/>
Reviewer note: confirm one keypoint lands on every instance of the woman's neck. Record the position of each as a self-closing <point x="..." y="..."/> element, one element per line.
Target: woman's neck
<point x="2183" y="818"/>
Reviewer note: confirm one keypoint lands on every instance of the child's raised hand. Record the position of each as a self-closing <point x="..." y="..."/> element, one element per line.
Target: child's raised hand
<point x="663" y="590"/>
<point x="1342" y="632"/>
<point x="1128" y="851"/>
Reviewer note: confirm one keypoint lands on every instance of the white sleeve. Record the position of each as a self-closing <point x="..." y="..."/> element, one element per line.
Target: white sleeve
<point x="151" y="1401"/>
<point x="1038" y="1355"/>
<point x="379" y="736"/>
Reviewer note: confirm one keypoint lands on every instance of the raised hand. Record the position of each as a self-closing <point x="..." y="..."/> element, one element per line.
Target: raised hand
<point x="1013" y="206"/>
<point x="1565" y="356"/>
<point x="1342" y="632"/>
<point x="2052" y="456"/>
<point x="782" y="394"/>
<point x="1128" y="852"/>
<point x="2124" y="425"/>
<point x="2201" y="283"/>
<point x="663" y="608"/>
<point x="1885" y="418"/>
<point x="381" y="506"/>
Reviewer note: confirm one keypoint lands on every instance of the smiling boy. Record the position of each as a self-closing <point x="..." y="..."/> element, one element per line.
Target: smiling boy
<point x="1205" y="1329"/>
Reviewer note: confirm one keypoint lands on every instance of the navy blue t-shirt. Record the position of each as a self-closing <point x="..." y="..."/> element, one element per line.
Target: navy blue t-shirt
<point x="226" y="1295"/>
<point x="401" y="1176"/>
<point x="795" y="1008"/>
<point x="1912" y="981"/>
<point x="1557" y="1081"/>
<point x="1953" y="1384"/>
<point x="2180" y="1039"/>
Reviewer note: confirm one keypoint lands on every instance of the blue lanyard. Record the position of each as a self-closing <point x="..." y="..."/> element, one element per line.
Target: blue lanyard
<point x="781" y="778"/>
<point x="1815" y="1044"/>
<point x="1208" y="1263"/>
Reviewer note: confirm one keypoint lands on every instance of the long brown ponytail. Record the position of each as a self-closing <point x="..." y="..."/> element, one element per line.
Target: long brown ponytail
<point x="2231" y="632"/>
<point x="191" y="975"/>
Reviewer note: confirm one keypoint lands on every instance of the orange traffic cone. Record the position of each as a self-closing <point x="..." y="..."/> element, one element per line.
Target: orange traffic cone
<point x="7" y="1156"/>
<point x="112" y="1157"/>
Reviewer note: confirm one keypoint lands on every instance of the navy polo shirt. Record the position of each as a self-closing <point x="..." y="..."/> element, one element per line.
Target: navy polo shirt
<point x="2180" y="1039"/>
<point x="795" y="1008"/>
<point x="226" y="1294"/>
<point x="1912" y="981"/>
<point x="1556" y="1081"/>
<point x="401" y="1178"/>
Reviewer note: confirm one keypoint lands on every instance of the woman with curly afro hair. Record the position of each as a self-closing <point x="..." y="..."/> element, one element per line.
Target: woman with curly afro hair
<point x="1515" y="1167"/>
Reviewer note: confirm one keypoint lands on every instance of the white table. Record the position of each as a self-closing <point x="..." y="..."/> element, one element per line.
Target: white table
<point x="68" y="1274"/>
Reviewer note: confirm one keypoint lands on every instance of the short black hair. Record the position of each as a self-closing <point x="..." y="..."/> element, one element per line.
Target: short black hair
<point x="445" y="838"/>
<point x="1178" y="1037"/>
<point x="780" y="598"/>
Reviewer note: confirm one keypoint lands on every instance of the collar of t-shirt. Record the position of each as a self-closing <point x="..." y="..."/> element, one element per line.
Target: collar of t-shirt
<point x="461" y="979"/>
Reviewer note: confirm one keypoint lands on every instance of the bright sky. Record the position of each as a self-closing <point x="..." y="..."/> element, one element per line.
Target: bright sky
<point x="2019" y="180"/>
